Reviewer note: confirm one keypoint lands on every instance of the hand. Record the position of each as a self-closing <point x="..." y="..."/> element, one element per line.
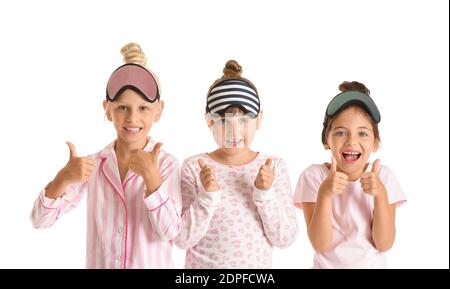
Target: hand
<point x="336" y="181"/>
<point x="370" y="181"/>
<point x="77" y="169"/>
<point x="145" y="164"/>
<point x="208" y="177"/>
<point x="264" y="179"/>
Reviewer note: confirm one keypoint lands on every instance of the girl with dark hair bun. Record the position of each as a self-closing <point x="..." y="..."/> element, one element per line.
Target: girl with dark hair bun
<point x="349" y="204"/>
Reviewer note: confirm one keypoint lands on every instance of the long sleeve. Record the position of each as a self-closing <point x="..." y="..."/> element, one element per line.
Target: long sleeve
<point x="276" y="209"/>
<point x="164" y="205"/>
<point x="198" y="208"/>
<point x="47" y="211"/>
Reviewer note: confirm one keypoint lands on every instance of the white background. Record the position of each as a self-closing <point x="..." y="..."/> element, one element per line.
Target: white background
<point x="56" y="57"/>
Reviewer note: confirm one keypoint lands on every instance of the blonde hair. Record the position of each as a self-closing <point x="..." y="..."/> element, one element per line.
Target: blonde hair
<point x="132" y="53"/>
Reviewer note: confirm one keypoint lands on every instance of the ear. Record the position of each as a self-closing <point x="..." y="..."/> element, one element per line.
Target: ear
<point x="326" y="146"/>
<point x="209" y="121"/>
<point x="106" y="109"/>
<point x="376" y="145"/>
<point x="259" y="119"/>
<point x="159" y="110"/>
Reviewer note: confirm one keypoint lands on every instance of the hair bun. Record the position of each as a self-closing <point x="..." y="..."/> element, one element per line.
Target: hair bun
<point x="353" y="86"/>
<point x="132" y="53"/>
<point x="232" y="69"/>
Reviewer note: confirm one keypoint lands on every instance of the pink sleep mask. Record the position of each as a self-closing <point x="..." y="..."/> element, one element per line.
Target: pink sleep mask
<point x="132" y="76"/>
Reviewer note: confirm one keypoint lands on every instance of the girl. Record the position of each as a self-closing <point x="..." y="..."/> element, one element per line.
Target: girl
<point x="132" y="185"/>
<point x="349" y="205"/>
<point x="236" y="202"/>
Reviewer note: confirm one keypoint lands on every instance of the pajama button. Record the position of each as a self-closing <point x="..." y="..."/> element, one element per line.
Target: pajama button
<point x="119" y="258"/>
<point x="120" y="230"/>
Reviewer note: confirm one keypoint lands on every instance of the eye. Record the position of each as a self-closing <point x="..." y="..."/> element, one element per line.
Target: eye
<point x="340" y="133"/>
<point x="363" y="134"/>
<point x="243" y="120"/>
<point x="144" y="108"/>
<point x="122" y="107"/>
<point x="226" y="121"/>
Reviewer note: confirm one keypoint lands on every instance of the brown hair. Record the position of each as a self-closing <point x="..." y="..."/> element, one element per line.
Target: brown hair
<point x="350" y="86"/>
<point x="232" y="70"/>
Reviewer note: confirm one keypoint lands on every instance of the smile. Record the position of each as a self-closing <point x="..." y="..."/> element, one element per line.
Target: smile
<point x="351" y="156"/>
<point x="234" y="142"/>
<point x="133" y="130"/>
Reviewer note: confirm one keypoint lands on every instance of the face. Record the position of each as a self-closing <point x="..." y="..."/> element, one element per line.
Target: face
<point x="351" y="140"/>
<point x="235" y="130"/>
<point x="132" y="116"/>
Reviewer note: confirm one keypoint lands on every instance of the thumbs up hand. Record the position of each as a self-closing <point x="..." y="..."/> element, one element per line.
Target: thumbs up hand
<point x="370" y="181"/>
<point x="208" y="177"/>
<point x="145" y="164"/>
<point x="77" y="169"/>
<point x="265" y="177"/>
<point x="336" y="181"/>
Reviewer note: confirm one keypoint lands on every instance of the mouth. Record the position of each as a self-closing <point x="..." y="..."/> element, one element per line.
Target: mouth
<point x="234" y="143"/>
<point x="351" y="156"/>
<point x="132" y="130"/>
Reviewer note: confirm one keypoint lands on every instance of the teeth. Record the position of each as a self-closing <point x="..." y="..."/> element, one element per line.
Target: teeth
<point x="351" y="153"/>
<point x="133" y="129"/>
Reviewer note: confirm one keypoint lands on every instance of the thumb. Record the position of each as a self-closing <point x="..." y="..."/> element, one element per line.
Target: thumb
<point x="156" y="149"/>
<point x="72" y="150"/>
<point x="268" y="163"/>
<point x="201" y="163"/>
<point x="376" y="166"/>
<point x="333" y="164"/>
<point x="365" y="175"/>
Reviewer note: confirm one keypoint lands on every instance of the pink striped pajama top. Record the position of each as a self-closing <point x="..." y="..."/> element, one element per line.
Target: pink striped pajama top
<point x="124" y="229"/>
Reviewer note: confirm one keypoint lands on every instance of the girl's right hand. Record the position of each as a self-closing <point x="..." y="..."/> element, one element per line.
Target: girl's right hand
<point x="208" y="177"/>
<point x="77" y="169"/>
<point x="336" y="181"/>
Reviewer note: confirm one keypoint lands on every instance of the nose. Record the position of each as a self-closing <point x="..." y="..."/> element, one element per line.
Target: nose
<point x="131" y="115"/>
<point x="351" y="140"/>
<point x="233" y="127"/>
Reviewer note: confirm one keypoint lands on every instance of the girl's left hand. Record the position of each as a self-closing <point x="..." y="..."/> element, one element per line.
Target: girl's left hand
<point x="265" y="176"/>
<point x="145" y="164"/>
<point x="370" y="181"/>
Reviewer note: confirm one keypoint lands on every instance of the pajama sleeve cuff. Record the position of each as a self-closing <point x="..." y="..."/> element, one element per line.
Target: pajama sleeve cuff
<point x="209" y="199"/>
<point x="156" y="199"/>
<point x="262" y="196"/>
<point x="48" y="202"/>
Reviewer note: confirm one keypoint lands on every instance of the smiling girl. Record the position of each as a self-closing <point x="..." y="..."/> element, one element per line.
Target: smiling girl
<point x="349" y="204"/>
<point x="133" y="187"/>
<point x="236" y="201"/>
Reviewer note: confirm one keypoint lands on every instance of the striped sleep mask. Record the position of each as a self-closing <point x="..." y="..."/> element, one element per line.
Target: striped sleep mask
<point x="233" y="92"/>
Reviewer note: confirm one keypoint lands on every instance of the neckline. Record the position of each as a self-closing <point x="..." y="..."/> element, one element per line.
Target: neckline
<point x="258" y="154"/>
<point x="368" y="169"/>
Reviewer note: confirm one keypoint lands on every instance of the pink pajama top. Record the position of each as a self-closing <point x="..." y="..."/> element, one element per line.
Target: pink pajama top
<point x="125" y="229"/>
<point x="237" y="226"/>
<point x="352" y="216"/>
